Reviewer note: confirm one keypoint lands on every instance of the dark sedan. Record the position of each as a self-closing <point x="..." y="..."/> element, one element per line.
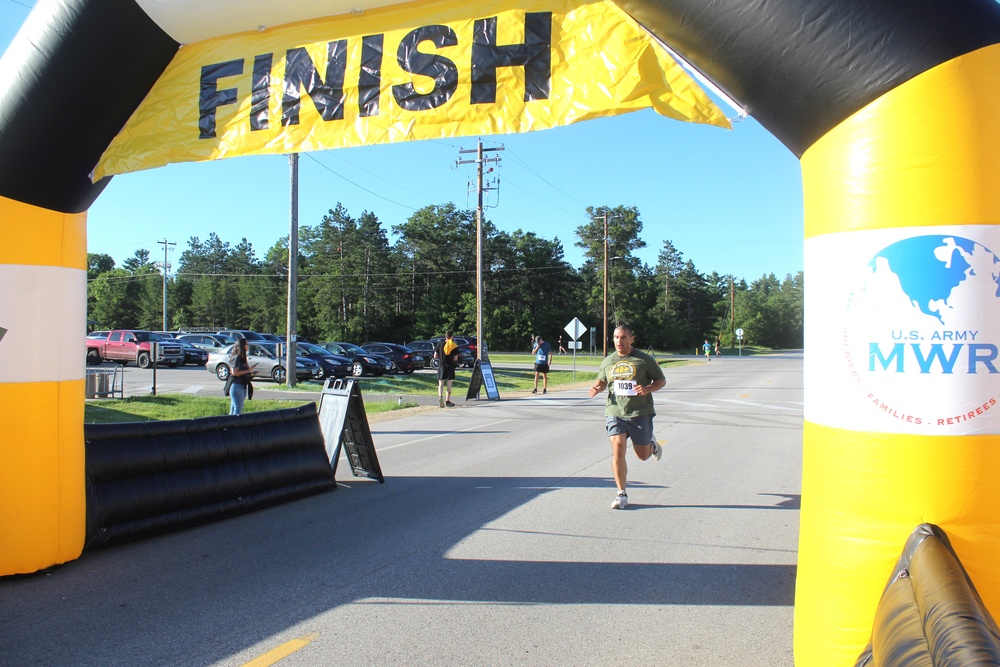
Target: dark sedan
<point x="425" y="349"/>
<point x="192" y="353"/>
<point x="363" y="362"/>
<point x="403" y="358"/>
<point x="333" y="365"/>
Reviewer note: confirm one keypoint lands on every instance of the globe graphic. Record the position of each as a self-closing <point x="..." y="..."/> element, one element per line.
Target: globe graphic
<point x="952" y="280"/>
<point x="917" y="347"/>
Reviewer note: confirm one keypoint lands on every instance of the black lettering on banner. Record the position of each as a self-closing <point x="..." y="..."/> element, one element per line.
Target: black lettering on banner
<point x="260" y="91"/>
<point x="211" y="98"/>
<point x="535" y="55"/>
<point x="327" y="95"/>
<point x="441" y="69"/>
<point x="370" y="78"/>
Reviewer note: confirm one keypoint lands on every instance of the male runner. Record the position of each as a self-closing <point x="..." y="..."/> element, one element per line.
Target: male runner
<point x="631" y="377"/>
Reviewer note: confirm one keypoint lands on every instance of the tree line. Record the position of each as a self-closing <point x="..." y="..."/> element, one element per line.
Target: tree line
<point x="354" y="285"/>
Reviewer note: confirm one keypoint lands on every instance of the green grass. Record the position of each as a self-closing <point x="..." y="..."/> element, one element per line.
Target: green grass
<point x="561" y="361"/>
<point x="181" y="406"/>
<point x="507" y="379"/>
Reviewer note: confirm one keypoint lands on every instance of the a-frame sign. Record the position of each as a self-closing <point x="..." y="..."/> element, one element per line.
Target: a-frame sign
<point x="482" y="376"/>
<point x="344" y="423"/>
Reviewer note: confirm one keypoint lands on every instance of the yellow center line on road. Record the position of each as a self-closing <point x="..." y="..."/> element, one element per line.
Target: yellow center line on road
<point x="283" y="651"/>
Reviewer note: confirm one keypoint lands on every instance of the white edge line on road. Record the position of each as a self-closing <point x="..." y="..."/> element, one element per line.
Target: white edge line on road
<point x="770" y="406"/>
<point x="658" y="399"/>
<point x="442" y="435"/>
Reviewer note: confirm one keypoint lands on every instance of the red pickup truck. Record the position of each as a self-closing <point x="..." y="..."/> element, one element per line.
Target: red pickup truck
<point x="124" y="346"/>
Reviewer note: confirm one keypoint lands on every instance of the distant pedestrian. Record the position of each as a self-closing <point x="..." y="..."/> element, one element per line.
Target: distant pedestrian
<point x="631" y="377"/>
<point x="708" y="349"/>
<point x="562" y="350"/>
<point x="543" y="356"/>
<point x="718" y="346"/>
<point x="446" y="352"/>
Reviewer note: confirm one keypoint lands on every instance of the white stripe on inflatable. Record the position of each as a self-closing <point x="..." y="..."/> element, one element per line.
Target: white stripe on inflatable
<point x="35" y="302"/>
<point x="189" y="21"/>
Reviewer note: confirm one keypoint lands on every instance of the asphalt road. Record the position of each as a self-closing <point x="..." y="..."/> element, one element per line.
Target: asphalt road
<point x="492" y="542"/>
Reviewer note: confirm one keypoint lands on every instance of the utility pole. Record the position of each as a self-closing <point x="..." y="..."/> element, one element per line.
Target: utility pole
<point x="605" y="216"/>
<point x="732" y="308"/>
<point x="293" y="270"/>
<point x="165" y="243"/>
<point x="480" y="343"/>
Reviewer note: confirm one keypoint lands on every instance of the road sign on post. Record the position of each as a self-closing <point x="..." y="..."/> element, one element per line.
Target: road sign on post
<point x="739" y="339"/>
<point x="575" y="329"/>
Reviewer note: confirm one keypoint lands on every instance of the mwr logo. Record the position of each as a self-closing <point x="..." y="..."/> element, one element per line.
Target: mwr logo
<point x="922" y="330"/>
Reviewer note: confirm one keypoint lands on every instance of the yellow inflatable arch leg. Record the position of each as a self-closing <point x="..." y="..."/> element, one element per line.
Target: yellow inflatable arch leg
<point x="43" y="285"/>
<point x="902" y="375"/>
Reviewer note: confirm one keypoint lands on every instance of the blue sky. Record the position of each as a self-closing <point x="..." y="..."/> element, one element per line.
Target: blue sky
<point x="730" y="201"/>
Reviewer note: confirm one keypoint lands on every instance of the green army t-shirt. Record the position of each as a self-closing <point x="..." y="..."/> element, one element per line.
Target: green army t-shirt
<point x="623" y="374"/>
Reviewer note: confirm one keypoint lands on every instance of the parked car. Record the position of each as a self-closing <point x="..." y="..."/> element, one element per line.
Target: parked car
<point x="425" y="349"/>
<point x="246" y="333"/>
<point x="126" y="346"/>
<point x="208" y="342"/>
<point x="466" y="355"/>
<point x="314" y="369"/>
<point x="473" y="344"/>
<point x="403" y="358"/>
<point x="362" y="362"/>
<point x="98" y="334"/>
<point x="333" y="365"/>
<point x="268" y="365"/>
<point x="273" y="338"/>
<point x="192" y="353"/>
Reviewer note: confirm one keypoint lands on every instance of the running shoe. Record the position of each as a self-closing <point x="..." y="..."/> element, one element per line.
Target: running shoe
<point x="657" y="450"/>
<point x="535" y="390"/>
<point x="441" y="401"/>
<point x="449" y="404"/>
<point x="621" y="501"/>
<point x="545" y="391"/>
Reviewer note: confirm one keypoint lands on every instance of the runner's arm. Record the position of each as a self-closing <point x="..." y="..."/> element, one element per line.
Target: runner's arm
<point x="598" y="388"/>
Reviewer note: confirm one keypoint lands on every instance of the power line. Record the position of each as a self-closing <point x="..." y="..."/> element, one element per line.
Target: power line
<point x="544" y="180"/>
<point x="371" y="173"/>
<point x="360" y="187"/>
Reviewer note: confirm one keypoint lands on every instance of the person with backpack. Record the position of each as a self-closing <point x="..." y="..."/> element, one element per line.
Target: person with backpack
<point x="446" y="352"/>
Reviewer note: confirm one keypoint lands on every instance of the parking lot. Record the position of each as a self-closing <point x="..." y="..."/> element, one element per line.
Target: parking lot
<point x="197" y="380"/>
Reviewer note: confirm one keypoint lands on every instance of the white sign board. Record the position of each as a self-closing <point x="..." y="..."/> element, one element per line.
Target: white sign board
<point x="575" y="328"/>
<point x="739" y="333"/>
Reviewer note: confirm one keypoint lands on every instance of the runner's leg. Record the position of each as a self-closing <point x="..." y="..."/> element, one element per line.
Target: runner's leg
<point x="619" y="468"/>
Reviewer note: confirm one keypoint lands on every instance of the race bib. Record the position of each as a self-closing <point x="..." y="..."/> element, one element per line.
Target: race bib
<point x="541" y="358"/>
<point x="626" y="387"/>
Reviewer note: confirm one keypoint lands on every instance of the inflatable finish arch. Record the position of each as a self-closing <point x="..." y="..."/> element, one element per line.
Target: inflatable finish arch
<point x="888" y="103"/>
